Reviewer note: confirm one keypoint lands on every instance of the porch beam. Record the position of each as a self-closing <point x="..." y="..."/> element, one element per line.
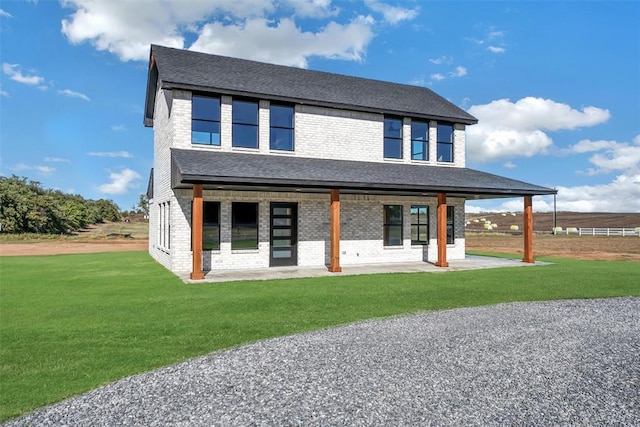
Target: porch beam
<point x="442" y="231"/>
<point x="196" y="233"/>
<point x="334" y="265"/>
<point x="528" y="230"/>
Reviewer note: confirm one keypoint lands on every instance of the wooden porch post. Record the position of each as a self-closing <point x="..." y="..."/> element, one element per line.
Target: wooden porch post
<point x="196" y="233"/>
<point x="528" y="230"/>
<point x="442" y="231"/>
<point x="334" y="265"/>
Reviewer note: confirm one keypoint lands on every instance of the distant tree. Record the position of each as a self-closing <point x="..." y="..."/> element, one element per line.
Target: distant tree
<point x="143" y="204"/>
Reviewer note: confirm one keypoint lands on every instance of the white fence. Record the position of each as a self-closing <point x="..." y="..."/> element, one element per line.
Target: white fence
<point x="599" y="231"/>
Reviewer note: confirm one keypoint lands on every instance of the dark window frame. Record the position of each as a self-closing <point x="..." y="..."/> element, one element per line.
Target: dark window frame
<point x="422" y="222"/>
<point x="210" y="221"/>
<point x="195" y="119"/>
<point x="237" y="123"/>
<point x="274" y="128"/>
<point x="448" y="144"/>
<point x="390" y="223"/>
<point x="236" y="235"/>
<point x="390" y="137"/>
<point x="451" y="225"/>
<point x="417" y="140"/>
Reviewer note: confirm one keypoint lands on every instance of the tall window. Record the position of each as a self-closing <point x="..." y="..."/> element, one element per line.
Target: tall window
<point x="211" y="226"/>
<point x="419" y="140"/>
<point x="281" y="127"/>
<point x="244" y="225"/>
<point x="451" y="238"/>
<point x="205" y="120"/>
<point x="419" y="225"/>
<point x="445" y="142"/>
<point x="164" y="232"/>
<point x="244" y="127"/>
<point x="392" y="138"/>
<point x="392" y="225"/>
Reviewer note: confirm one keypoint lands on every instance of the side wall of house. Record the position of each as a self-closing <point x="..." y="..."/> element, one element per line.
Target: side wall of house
<point x="361" y="230"/>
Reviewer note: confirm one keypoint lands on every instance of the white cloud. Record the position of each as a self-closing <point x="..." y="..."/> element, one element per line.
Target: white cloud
<point x="496" y="49"/>
<point x="120" y="182"/>
<point x="45" y="170"/>
<point x="56" y="160"/>
<point x="285" y="43"/>
<point x="458" y="72"/>
<point x="437" y="76"/>
<point x="610" y="156"/>
<point x="391" y="14"/>
<point x="509" y="165"/>
<point x="241" y="28"/>
<point x="73" y="94"/>
<point x="506" y="129"/>
<point x="5" y="14"/>
<point x="442" y="60"/>
<point x="112" y="154"/>
<point x="118" y="128"/>
<point x="15" y="74"/>
<point x="4" y="92"/>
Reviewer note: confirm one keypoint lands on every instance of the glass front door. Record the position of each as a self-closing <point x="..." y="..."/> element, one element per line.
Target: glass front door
<point x="284" y="234"/>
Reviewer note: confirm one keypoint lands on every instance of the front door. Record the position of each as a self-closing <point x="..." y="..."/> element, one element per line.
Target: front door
<point x="284" y="234"/>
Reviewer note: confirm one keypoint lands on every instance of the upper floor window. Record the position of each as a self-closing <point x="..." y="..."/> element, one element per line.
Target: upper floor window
<point x="205" y="120"/>
<point x="419" y="140"/>
<point x="419" y="225"/>
<point x="392" y="225"/>
<point x="445" y="142"/>
<point x="281" y="127"/>
<point x="392" y="138"/>
<point x="244" y="122"/>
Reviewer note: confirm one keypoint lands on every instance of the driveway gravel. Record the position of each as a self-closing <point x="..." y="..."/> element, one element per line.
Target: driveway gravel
<point x="573" y="362"/>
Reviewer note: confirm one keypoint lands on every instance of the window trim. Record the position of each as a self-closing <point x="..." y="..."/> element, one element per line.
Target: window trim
<point x="396" y="139"/>
<point x="424" y="142"/>
<point x="449" y="143"/>
<point x="255" y="125"/>
<point x="386" y="225"/>
<point x="451" y="218"/>
<point x="419" y="224"/>
<point x="197" y="119"/>
<point x="256" y="226"/>
<point x="205" y="225"/>
<point x="292" y="128"/>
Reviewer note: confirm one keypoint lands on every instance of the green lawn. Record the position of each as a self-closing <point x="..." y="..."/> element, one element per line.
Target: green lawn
<point x="69" y="323"/>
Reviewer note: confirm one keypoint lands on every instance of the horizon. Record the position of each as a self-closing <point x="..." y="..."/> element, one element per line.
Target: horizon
<point x="557" y="105"/>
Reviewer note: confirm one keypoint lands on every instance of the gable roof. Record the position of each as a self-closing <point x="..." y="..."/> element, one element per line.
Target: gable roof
<point x="184" y="69"/>
<point x="269" y="172"/>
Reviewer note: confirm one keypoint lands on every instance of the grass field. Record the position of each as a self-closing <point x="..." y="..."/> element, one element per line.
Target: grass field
<point x="70" y="323"/>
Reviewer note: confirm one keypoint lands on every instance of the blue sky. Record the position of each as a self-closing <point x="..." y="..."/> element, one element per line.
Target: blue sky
<point x="555" y="84"/>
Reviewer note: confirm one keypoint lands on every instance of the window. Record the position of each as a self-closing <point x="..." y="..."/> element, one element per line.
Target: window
<point x="392" y="138"/>
<point x="419" y="225"/>
<point x="419" y="140"/>
<point x="392" y="225"/>
<point x="244" y="127"/>
<point x="164" y="232"/>
<point x="281" y="127"/>
<point x="244" y="225"/>
<point x="205" y="120"/>
<point x="451" y="238"/>
<point x="211" y="226"/>
<point x="445" y="142"/>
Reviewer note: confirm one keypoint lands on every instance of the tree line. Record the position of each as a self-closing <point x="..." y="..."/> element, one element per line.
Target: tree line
<point x="27" y="207"/>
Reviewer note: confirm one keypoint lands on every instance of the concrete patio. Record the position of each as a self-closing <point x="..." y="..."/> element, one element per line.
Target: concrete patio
<point x="471" y="262"/>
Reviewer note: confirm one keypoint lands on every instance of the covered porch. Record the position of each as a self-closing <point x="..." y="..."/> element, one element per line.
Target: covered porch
<point x="251" y="172"/>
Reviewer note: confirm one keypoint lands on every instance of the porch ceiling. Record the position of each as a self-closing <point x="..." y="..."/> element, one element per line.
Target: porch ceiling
<point x="247" y="171"/>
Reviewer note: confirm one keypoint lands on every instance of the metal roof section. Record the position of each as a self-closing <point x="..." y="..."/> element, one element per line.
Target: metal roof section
<point x="195" y="71"/>
<point x="242" y="171"/>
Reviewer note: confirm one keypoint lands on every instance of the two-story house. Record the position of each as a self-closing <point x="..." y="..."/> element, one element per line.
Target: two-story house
<point x="259" y="165"/>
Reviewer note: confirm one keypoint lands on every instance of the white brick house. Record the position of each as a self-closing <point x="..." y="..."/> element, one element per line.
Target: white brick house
<point x="259" y="165"/>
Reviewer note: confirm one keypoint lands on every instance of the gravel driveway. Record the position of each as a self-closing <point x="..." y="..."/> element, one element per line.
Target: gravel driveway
<point x="573" y="362"/>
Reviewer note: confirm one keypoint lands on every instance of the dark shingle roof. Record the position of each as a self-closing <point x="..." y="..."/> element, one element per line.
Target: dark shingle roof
<point x="184" y="69"/>
<point x="241" y="170"/>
